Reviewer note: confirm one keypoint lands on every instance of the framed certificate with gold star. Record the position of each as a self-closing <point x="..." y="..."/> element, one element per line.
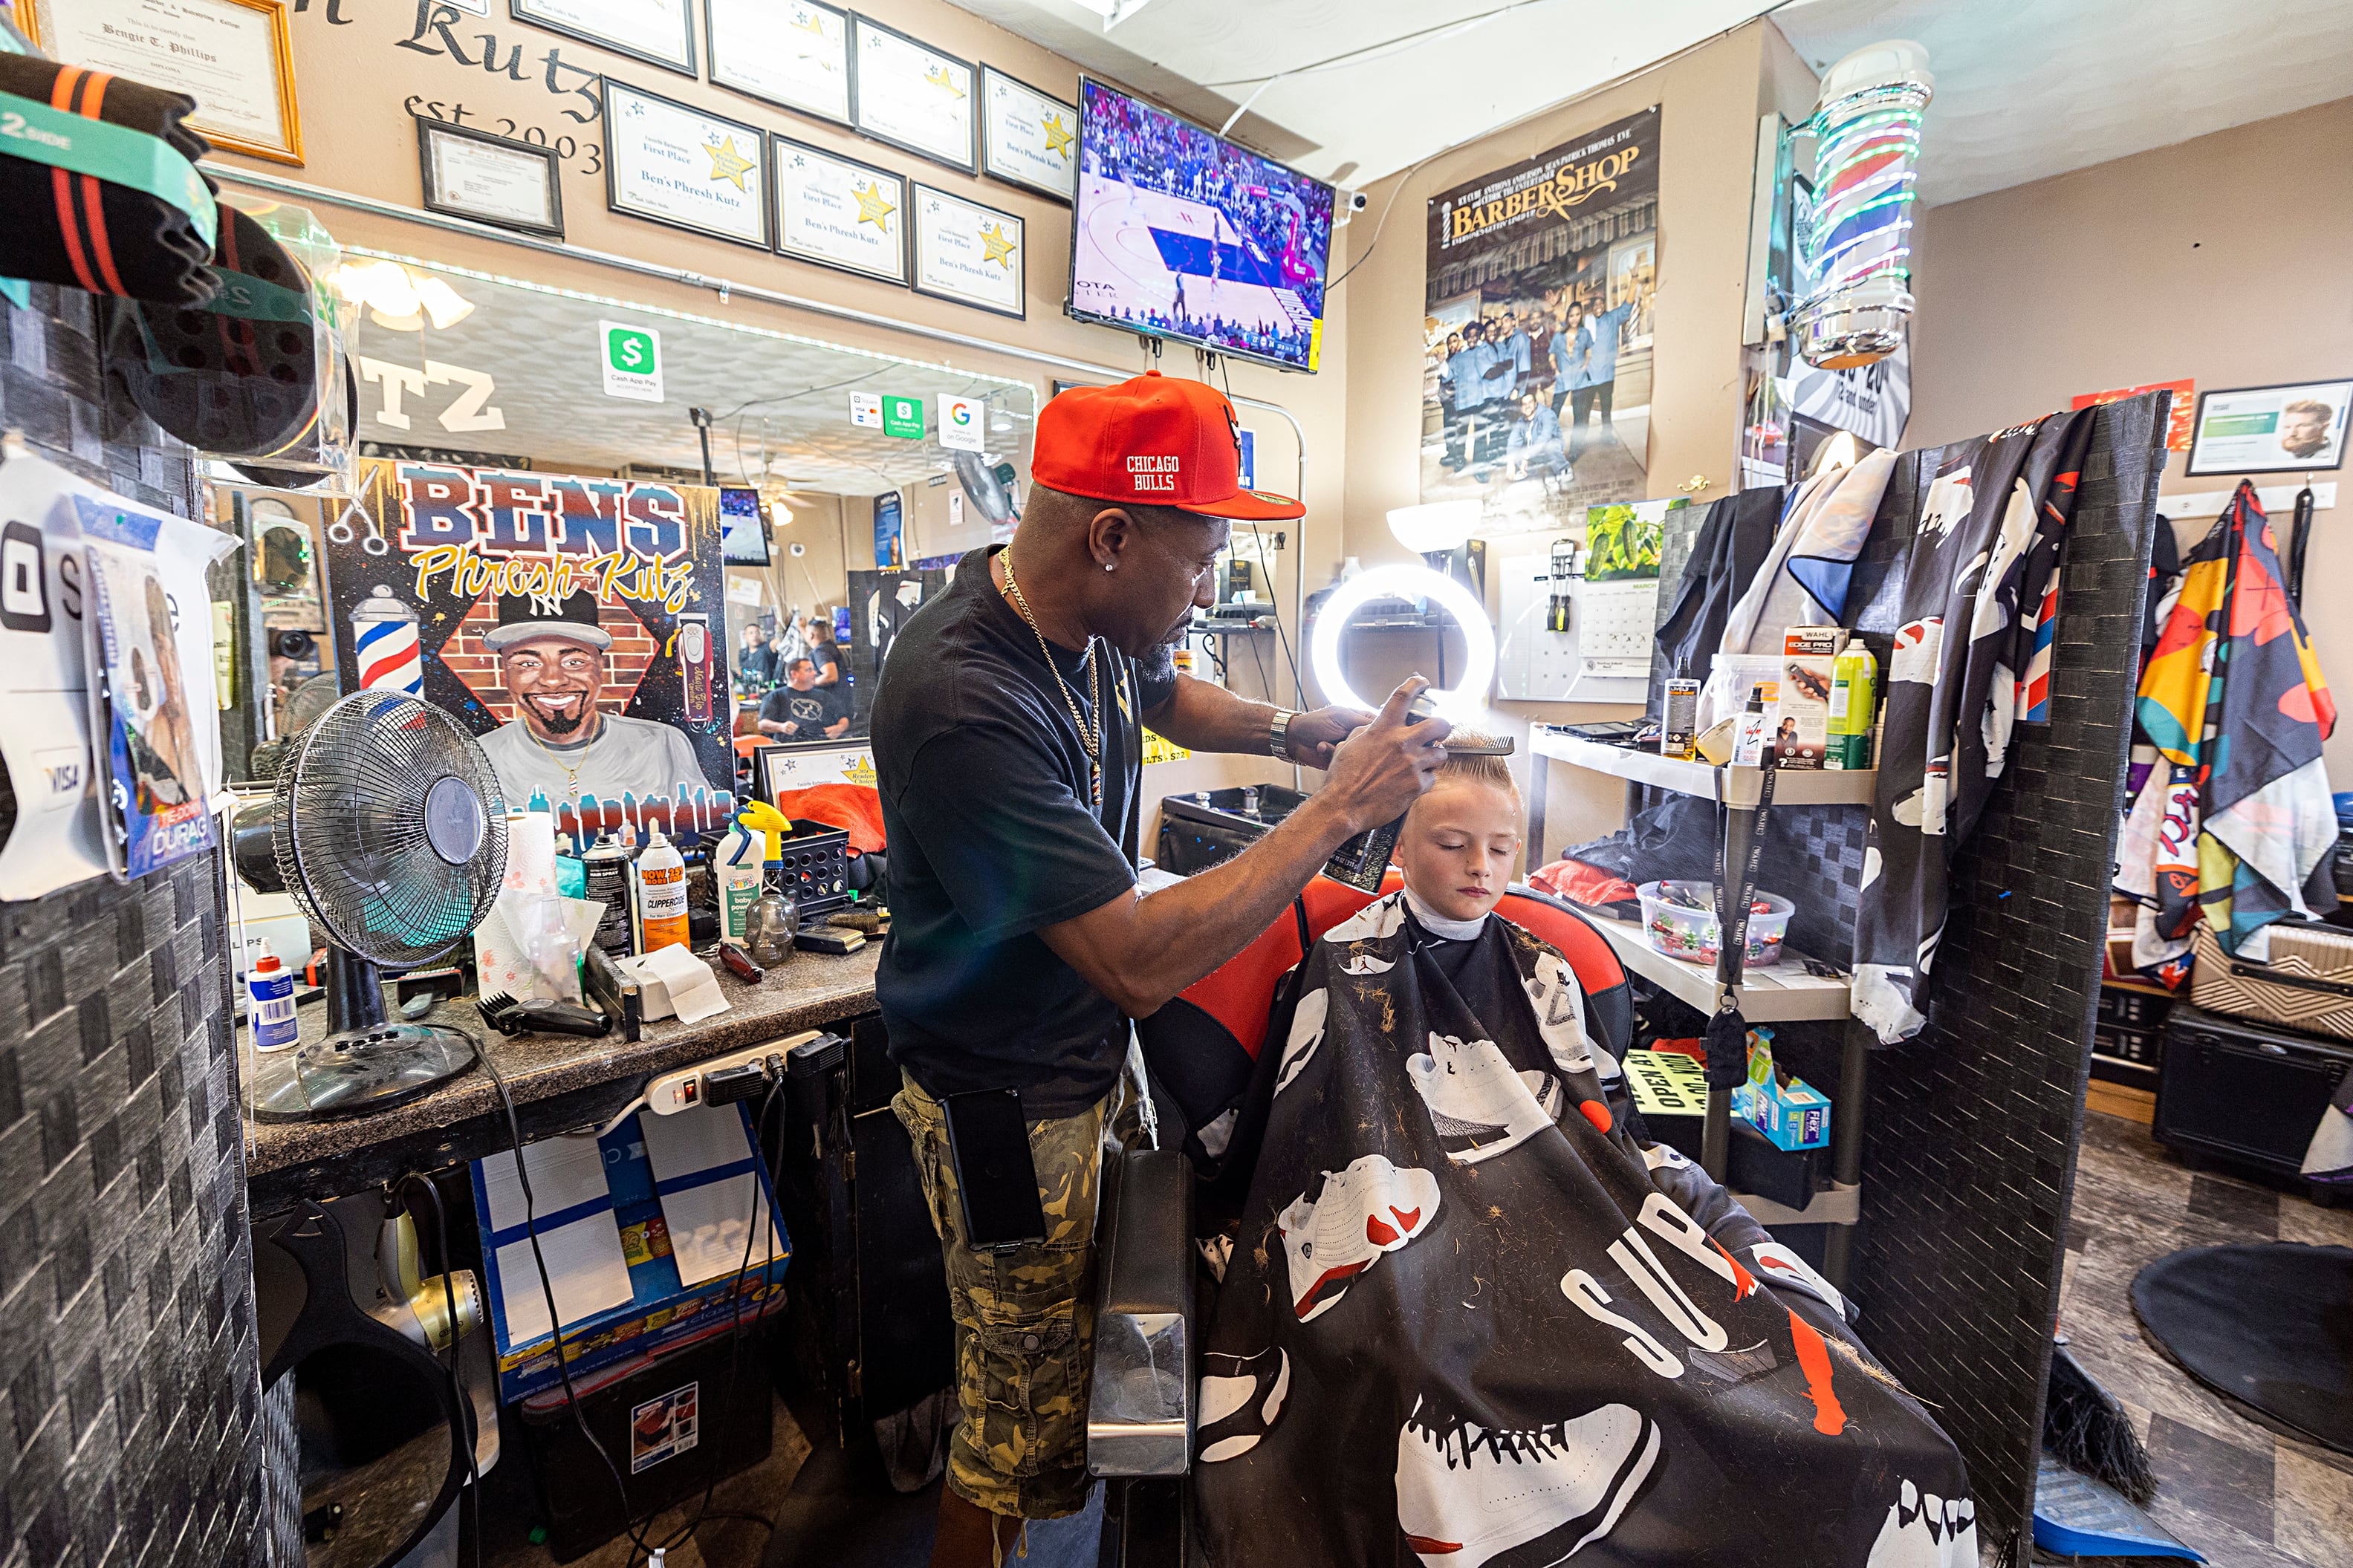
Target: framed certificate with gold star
<point x="793" y="53"/>
<point x="1026" y="138"/>
<point x="971" y="254"/>
<point x="839" y="213"/>
<point x="681" y="166"/>
<point x="911" y="95"/>
<point x="659" y="32"/>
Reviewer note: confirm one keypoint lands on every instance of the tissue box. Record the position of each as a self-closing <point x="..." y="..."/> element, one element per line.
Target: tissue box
<point x="1791" y="1113"/>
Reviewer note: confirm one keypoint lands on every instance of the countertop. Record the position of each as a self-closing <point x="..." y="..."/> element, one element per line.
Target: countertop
<point x="557" y="1082"/>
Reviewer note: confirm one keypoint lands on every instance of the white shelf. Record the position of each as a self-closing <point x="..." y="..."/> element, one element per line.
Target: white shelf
<point x="1841" y="1205"/>
<point x="1791" y="786"/>
<point x="1781" y="993"/>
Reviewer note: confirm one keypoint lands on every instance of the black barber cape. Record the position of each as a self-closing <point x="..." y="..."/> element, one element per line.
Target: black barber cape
<point x="1470" y="1320"/>
<point x="986" y="803"/>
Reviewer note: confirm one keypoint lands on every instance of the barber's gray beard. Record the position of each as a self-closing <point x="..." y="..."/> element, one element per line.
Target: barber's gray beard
<point x="1160" y="664"/>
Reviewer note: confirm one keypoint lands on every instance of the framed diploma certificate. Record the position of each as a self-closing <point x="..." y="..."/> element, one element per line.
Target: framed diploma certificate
<point x="680" y="166"/>
<point x="971" y="254"/>
<point x="912" y="96"/>
<point x="231" y="56"/>
<point x="473" y="173"/>
<point x="793" y="53"/>
<point x="659" y="32"/>
<point x="839" y="213"/>
<point x="1026" y="138"/>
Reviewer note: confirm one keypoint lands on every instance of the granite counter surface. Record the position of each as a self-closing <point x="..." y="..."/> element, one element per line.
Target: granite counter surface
<point x="809" y="990"/>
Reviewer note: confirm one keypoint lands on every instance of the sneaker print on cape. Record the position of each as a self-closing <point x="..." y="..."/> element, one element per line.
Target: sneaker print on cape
<point x="1467" y="1493"/>
<point x="1241" y="1397"/>
<point x="1924" y="1530"/>
<point x="1369" y="1208"/>
<point x="1306" y="1034"/>
<point x="1479" y="1105"/>
<point x="1380" y="919"/>
<point x="1559" y="1006"/>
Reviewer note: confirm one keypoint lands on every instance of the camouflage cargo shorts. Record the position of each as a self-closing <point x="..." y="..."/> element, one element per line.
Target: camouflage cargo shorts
<point x="1024" y="1317"/>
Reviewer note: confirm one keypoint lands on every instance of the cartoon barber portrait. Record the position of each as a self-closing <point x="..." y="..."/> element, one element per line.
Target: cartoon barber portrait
<point x="555" y="663"/>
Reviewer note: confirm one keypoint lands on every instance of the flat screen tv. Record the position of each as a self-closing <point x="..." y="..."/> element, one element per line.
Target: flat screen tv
<point x="1179" y="233"/>
<point x="743" y="533"/>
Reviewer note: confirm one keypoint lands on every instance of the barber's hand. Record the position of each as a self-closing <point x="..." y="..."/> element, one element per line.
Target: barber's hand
<point x="1384" y="768"/>
<point x="1313" y="736"/>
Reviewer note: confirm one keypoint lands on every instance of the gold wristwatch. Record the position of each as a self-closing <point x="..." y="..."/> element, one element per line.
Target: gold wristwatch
<point x="1278" y="735"/>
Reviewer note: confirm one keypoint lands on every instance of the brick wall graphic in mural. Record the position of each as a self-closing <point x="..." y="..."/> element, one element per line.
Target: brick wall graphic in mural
<point x="570" y="622"/>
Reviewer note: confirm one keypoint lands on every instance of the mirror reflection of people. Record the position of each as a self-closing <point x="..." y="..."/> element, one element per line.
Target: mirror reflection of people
<point x="164" y="744"/>
<point x="802" y="709"/>
<point x="822" y="652"/>
<point x="2305" y="428"/>
<point x="755" y="666"/>
<point x="560" y="742"/>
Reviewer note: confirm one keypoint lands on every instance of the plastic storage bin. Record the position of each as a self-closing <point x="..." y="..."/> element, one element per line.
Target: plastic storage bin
<point x="1690" y="934"/>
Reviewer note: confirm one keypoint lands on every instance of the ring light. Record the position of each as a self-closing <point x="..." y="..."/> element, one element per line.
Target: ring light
<point x="1464" y="700"/>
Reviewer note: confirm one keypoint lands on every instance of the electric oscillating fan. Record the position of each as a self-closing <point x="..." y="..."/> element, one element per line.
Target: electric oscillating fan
<point x="389" y="831"/>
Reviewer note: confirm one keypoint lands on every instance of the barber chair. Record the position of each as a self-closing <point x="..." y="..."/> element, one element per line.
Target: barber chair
<point x="1201" y="1050"/>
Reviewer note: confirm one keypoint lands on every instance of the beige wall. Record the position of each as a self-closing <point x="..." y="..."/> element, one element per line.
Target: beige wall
<point x="1709" y="99"/>
<point x="2221" y="259"/>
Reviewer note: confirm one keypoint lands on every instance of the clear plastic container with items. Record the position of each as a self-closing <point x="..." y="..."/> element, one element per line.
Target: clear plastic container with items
<point x="1679" y="921"/>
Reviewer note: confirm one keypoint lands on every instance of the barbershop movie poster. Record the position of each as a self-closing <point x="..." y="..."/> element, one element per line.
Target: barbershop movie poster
<point x="573" y="623"/>
<point x="1543" y="281"/>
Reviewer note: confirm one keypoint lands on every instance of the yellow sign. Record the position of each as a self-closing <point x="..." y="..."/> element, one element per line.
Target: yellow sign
<point x="1159" y="749"/>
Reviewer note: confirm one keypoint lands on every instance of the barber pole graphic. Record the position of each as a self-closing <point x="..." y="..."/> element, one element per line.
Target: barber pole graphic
<point x="384" y="635"/>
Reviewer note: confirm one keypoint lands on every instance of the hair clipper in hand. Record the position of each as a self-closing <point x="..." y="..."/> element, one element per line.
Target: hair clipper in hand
<point x="1363" y="860"/>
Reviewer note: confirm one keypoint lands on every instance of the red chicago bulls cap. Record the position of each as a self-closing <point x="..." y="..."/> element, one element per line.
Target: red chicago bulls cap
<point x="1153" y="441"/>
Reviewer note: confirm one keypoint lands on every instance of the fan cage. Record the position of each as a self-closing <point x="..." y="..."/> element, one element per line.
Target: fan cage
<point x="349" y="837"/>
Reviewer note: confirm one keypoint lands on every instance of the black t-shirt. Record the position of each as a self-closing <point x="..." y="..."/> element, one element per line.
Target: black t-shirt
<point x="822" y="654"/>
<point x="985" y="800"/>
<point x="757" y="666"/>
<point x="812" y="712"/>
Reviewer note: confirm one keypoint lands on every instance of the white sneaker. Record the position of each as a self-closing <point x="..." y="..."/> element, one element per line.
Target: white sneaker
<point x="1467" y="1493"/>
<point x="1479" y="1105"/>
<point x="1241" y="1397"/>
<point x="1369" y="1208"/>
<point x="1924" y="1530"/>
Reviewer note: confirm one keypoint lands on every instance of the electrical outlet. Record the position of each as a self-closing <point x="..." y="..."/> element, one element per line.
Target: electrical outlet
<point x="682" y="1090"/>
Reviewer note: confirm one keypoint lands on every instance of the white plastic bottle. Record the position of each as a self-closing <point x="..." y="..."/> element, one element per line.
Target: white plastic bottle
<point x="661" y="876"/>
<point x="735" y="868"/>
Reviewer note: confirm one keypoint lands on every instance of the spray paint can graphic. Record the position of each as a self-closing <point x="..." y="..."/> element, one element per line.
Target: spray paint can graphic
<point x="383" y="641"/>
<point x="694" y="664"/>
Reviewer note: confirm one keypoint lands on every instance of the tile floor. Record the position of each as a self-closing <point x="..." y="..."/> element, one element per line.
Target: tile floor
<point x="2241" y="1494"/>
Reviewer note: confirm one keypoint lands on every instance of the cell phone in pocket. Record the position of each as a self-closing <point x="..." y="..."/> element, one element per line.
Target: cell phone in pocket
<point x="996" y="1181"/>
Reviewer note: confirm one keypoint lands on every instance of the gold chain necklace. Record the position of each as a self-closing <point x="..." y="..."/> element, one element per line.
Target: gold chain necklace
<point x="570" y="769"/>
<point x="1092" y="744"/>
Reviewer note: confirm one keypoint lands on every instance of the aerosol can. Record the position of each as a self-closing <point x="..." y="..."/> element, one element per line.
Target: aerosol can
<point x="660" y="879"/>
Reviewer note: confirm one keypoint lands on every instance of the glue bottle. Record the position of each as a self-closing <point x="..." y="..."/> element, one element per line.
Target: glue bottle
<point x="661" y="878"/>
<point x="270" y="985"/>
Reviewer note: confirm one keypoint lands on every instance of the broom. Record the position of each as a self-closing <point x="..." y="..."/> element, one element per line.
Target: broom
<point x="2087" y="1430"/>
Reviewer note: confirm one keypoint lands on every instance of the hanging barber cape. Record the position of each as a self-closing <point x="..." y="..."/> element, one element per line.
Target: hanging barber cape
<point x="1468" y="1320"/>
<point x="2236" y="704"/>
<point x="1979" y="590"/>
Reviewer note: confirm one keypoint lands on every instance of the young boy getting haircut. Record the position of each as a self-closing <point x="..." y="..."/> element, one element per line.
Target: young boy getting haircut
<point x="1457" y="846"/>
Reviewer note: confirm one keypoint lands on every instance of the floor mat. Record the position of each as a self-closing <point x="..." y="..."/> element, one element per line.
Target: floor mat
<point x="2271" y="1325"/>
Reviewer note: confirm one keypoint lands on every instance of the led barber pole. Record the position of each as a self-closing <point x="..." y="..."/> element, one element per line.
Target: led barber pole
<point x="384" y="641"/>
<point x="1866" y="129"/>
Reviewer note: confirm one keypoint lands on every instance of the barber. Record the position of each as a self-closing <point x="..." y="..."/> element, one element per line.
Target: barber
<point x="1008" y="741"/>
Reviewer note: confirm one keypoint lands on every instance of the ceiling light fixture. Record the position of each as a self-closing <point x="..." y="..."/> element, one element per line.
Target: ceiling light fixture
<point x="1113" y="11"/>
<point x="1464" y="700"/>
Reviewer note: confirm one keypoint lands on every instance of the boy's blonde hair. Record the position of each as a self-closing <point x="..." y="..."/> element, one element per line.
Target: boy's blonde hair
<point x="1492" y="771"/>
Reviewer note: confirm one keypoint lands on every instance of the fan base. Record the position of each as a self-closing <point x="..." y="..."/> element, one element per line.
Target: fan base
<point x="366" y="1070"/>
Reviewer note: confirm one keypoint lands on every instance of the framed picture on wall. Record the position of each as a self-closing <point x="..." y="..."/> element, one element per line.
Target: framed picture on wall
<point x="2271" y="429"/>
<point x="659" y="32"/>
<point x="912" y="96"/>
<point x="837" y="212"/>
<point x="974" y="255"/>
<point x="1028" y="138"/>
<point x="473" y="175"/>
<point x="233" y="56"/>
<point x="678" y="165"/>
<point x="792" y="53"/>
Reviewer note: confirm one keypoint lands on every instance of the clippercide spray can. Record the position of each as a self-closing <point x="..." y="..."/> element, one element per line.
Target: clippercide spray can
<point x="694" y="664"/>
<point x="270" y="986"/>
<point x="1854" y="703"/>
<point x="384" y="645"/>
<point x="661" y="878"/>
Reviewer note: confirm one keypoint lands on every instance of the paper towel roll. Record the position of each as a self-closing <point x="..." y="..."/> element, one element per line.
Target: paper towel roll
<point x="530" y="853"/>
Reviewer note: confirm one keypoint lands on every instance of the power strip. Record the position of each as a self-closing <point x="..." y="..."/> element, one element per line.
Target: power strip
<point x="683" y="1089"/>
